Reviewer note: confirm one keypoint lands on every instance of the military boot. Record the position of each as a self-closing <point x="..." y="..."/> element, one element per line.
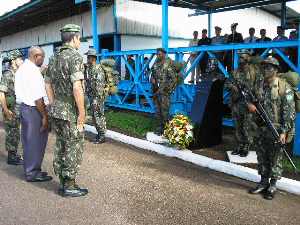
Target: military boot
<point x="71" y="189"/>
<point x="270" y="192"/>
<point x="100" y="138"/>
<point x="14" y="159"/>
<point x="237" y="150"/>
<point x="262" y="186"/>
<point x="244" y="150"/>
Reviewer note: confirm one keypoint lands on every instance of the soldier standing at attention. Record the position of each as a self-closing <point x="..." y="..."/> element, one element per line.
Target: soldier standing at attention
<point x="164" y="80"/>
<point x="277" y="98"/>
<point x="244" y="125"/>
<point x="10" y="111"/>
<point x="99" y="82"/>
<point x="64" y="86"/>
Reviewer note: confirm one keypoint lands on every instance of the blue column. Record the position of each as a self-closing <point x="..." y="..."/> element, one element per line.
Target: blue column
<point x="297" y="136"/>
<point x="96" y="43"/>
<point x="209" y="24"/>
<point x="283" y="13"/>
<point x="165" y="25"/>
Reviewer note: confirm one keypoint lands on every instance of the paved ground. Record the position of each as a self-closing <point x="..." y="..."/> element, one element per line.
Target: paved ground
<point x="131" y="186"/>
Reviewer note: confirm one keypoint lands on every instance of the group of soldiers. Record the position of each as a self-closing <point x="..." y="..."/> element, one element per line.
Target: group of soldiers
<point x="277" y="98"/>
<point x="67" y="79"/>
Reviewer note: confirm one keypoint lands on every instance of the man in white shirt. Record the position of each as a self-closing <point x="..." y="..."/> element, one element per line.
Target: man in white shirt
<point x="30" y="93"/>
<point x="193" y="43"/>
<point x="251" y="38"/>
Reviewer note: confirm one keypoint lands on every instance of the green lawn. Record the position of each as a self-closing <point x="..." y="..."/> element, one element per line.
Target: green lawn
<point x="132" y="123"/>
<point x="288" y="167"/>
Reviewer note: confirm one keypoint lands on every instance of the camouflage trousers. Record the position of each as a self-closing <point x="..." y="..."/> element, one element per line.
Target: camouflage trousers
<point x="12" y="134"/>
<point x="245" y="126"/>
<point x="162" y="104"/>
<point x="68" y="149"/>
<point x="268" y="156"/>
<point x="97" y="108"/>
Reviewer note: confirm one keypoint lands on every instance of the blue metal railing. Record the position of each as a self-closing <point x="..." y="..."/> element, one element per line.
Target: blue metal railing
<point x="136" y="93"/>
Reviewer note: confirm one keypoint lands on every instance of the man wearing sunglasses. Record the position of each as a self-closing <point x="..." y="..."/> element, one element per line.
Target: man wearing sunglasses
<point x="277" y="98"/>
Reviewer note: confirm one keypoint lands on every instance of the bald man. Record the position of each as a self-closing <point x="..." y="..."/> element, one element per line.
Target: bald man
<point x="30" y="93"/>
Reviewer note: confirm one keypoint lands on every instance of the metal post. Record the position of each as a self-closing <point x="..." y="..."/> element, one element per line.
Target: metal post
<point x="283" y="14"/>
<point x="297" y="136"/>
<point x="165" y="32"/>
<point x="209" y="24"/>
<point x="96" y="41"/>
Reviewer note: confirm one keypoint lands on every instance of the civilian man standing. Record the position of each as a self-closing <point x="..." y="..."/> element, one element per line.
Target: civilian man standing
<point x="30" y="92"/>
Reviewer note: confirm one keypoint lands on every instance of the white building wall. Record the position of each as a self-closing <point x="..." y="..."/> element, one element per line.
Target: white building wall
<point x="49" y="33"/>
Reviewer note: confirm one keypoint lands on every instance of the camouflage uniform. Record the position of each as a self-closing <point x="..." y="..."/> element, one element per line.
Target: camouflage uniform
<point x="244" y="123"/>
<point x="166" y="79"/>
<point x="281" y="110"/>
<point x="98" y="82"/>
<point x="65" y="67"/>
<point x="11" y="127"/>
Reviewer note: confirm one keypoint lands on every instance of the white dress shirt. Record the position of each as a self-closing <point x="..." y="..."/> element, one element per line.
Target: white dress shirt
<point x="29" y="84"/>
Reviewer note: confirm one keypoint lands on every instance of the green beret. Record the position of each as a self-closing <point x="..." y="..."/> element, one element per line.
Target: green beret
<point x="70" y="28"/>
<point x="161" y="50"/>
<point x="14" y="54"/>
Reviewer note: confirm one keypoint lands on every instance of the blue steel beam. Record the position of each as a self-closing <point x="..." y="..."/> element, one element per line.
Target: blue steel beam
<point x="209" y="24"/>
<point x="283" y="13"/>
<point x="96" y="43"/>
<point x="297" y="136"/>
<point x="277" y="44"/>
<point x="165" y="25"/>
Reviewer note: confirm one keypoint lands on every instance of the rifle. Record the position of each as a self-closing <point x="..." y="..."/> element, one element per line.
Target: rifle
<point x="247" y="95"/>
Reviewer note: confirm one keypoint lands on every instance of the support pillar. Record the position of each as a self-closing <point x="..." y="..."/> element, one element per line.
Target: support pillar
<point x="209" y="24"/>
<point x="165" y="25"/>
<point x="283" y="14"/>
<point x="96" y="41"/>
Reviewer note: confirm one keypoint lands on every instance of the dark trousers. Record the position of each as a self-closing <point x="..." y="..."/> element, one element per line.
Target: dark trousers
<point x="33" y="140"/>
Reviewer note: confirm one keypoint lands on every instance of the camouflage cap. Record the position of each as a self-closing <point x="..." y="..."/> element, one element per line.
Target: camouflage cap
<point x="70" y="28"/>
<point x="91" y="52"/>
<point x="161" y="50"/>
<point x="243" y="51"/>
<point x="272" y="61"/>
<point x="14" y="54"/>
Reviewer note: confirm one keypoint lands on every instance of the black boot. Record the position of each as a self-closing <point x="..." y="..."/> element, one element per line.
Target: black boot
<point x="71" y="189"/>
<point x="237" y="150"/>
<point x="271" y="191"/>
<point x="100" y="138"/>
<point x="244" y="150"/>
<point x="261" y="187"/>
<point x="14" y="159"/>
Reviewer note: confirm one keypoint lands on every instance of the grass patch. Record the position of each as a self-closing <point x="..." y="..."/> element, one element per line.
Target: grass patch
<point x="287" y="165"/>
<point x="131" y="123"/>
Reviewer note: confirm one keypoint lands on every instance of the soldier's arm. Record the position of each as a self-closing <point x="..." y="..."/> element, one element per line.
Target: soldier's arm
<point x="48" y="87"/>
<point x="287" y="111"/>
<point x="3" y="89"/>
<point x="3" y="102"/>
<point x="77" y="77"/>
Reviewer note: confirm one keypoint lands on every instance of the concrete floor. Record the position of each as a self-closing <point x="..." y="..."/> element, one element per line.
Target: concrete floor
<point x="131" y="186"/>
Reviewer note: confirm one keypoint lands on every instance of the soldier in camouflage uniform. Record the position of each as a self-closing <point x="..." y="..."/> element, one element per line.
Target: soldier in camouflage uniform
<point x="164" y="80"/>
<point x="64" y="85"/>
<point x="10" y="109"/>
<point x="277" y="98"/>
<point x="244" y="126"/>
<point x="99" y="82"/>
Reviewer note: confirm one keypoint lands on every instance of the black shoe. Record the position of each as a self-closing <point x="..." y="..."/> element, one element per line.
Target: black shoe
<point x="270" y="192"/>
<point x="99" y="139"/>
<point x="14" y="159"/>
<point x="243" y="153"/>
<point x="259" y="188"/>
<point x="40" y="178"/>
<point x="74" y="191"/>
<point x="235" y="152"/>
